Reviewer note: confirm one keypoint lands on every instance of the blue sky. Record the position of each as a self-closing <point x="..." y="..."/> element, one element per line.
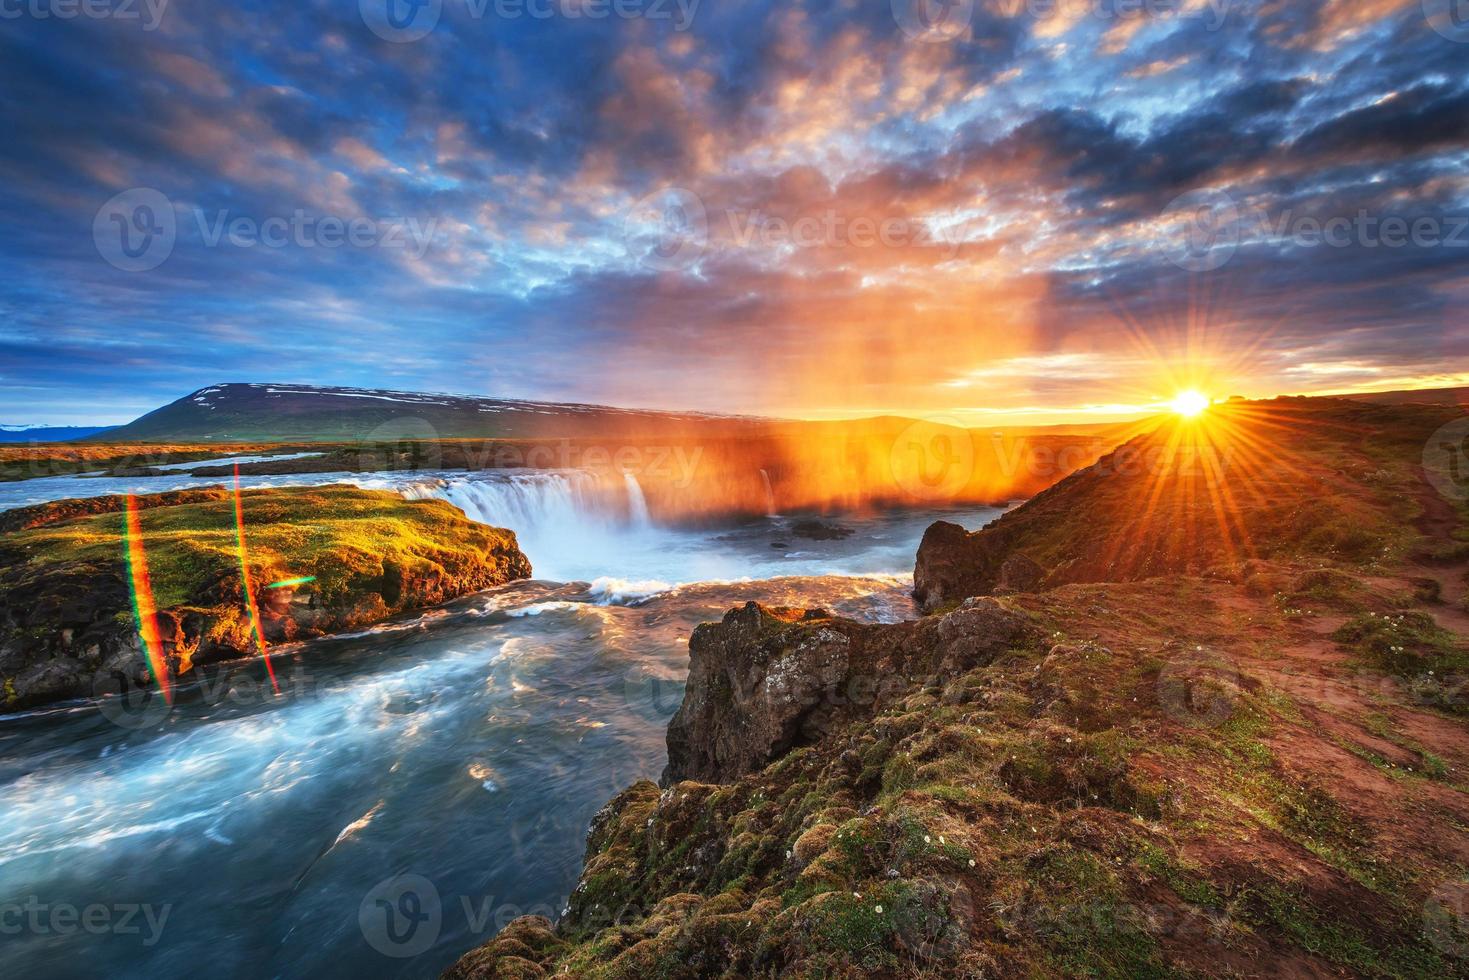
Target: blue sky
<point x="1007" y="209"/>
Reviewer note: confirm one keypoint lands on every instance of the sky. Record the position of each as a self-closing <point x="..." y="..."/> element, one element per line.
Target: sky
<point x="977" y="210"/>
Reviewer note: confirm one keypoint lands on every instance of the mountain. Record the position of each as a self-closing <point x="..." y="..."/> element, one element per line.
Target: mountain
<point x="280" y="412"/>
<point x="49" y="433"/>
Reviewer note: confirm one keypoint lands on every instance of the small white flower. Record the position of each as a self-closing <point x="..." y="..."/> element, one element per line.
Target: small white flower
<point x="971" y="862"/>
<point x="927" y="839"/>
<point x="878" y="910"/>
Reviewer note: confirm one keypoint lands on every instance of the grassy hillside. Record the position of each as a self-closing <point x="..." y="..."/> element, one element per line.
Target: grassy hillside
<point x="1292" y="478"/>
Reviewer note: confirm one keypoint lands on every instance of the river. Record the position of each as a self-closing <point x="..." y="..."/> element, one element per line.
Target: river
<point x="242" y="833"/>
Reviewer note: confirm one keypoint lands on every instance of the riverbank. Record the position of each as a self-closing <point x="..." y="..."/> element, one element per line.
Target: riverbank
<point x="79" y="601"/>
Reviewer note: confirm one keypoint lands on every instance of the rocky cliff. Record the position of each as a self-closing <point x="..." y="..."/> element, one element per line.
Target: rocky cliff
<point x="1245" y="766"/>
<point x="67" y="621"/>
<point x="765" y="681"/>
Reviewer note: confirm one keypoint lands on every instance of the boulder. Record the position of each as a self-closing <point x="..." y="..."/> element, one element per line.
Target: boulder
<point x="760" y="682"/>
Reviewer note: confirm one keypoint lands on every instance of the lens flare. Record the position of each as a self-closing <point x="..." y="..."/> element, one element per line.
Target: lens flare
<point x="145" y="607"/>
<point x="250" y="606"/>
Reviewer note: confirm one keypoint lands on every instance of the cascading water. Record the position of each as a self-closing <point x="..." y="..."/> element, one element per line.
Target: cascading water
<point x="637" y="504"/>
<point x="570" y="525"/>
<point x="769" y="495"/>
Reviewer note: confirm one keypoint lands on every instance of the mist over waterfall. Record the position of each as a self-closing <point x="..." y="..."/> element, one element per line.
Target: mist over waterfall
<point x="570" y="523"/>
<point x="582" y="526"/>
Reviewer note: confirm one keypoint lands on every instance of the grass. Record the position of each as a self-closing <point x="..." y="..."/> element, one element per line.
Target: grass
<point x="343" y="536"/>
<point x="1413" y="646"/>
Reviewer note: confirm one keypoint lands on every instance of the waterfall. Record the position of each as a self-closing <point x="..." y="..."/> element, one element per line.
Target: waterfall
<point x="637" y="504"/>
<point x="524" y="502"/>
<point x="570" y="525"/>
<point x="769" y="495"/>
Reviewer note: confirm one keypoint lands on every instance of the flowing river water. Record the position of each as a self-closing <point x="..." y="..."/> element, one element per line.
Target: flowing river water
<point x="462" y="751"/>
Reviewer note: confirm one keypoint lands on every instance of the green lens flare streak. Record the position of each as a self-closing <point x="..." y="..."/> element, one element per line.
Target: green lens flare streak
<point x="286" y="583"/>
<point x="145" y="607"/>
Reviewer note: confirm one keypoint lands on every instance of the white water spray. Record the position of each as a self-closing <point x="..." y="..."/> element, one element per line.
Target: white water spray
<point x="570" y="525"/>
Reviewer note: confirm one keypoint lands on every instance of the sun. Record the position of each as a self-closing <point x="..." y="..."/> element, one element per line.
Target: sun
<point x="1190" y="404"/>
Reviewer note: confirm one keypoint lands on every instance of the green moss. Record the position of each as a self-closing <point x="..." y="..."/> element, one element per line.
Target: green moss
<point x="1186" y="883"/>
<point x="1328" y="937"/>
<point x="859" y="925"/>
<point x="347" y="538"/>
<point x="1404" y="643"/>
<point x="1412" y="645"/>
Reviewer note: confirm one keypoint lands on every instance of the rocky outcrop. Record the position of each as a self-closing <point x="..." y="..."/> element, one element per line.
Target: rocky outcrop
<point x="763" y="681"/>
<point x="950" y="567"/>
<point x="67" y="622"/>
<point x="953" y="564"/>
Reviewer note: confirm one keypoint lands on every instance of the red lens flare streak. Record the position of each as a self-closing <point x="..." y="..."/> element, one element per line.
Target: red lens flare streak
<point x="250" y="606"/>
<point x="145" y="608"/>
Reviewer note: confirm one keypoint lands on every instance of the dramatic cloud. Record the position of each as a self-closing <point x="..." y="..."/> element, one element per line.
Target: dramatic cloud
<point x="1027" y="210"/>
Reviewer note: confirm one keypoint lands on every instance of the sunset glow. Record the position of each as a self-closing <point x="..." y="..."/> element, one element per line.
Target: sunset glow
<point x="1190" y="404"/>
<point x="728" y="220"/>
<point x="782" y="487"/>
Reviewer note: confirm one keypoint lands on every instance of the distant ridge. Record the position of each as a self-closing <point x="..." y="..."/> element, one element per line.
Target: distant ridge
<point x="49" y="433"/>
<point x="280" y="412"/>
<point x="1421" y="396"/>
